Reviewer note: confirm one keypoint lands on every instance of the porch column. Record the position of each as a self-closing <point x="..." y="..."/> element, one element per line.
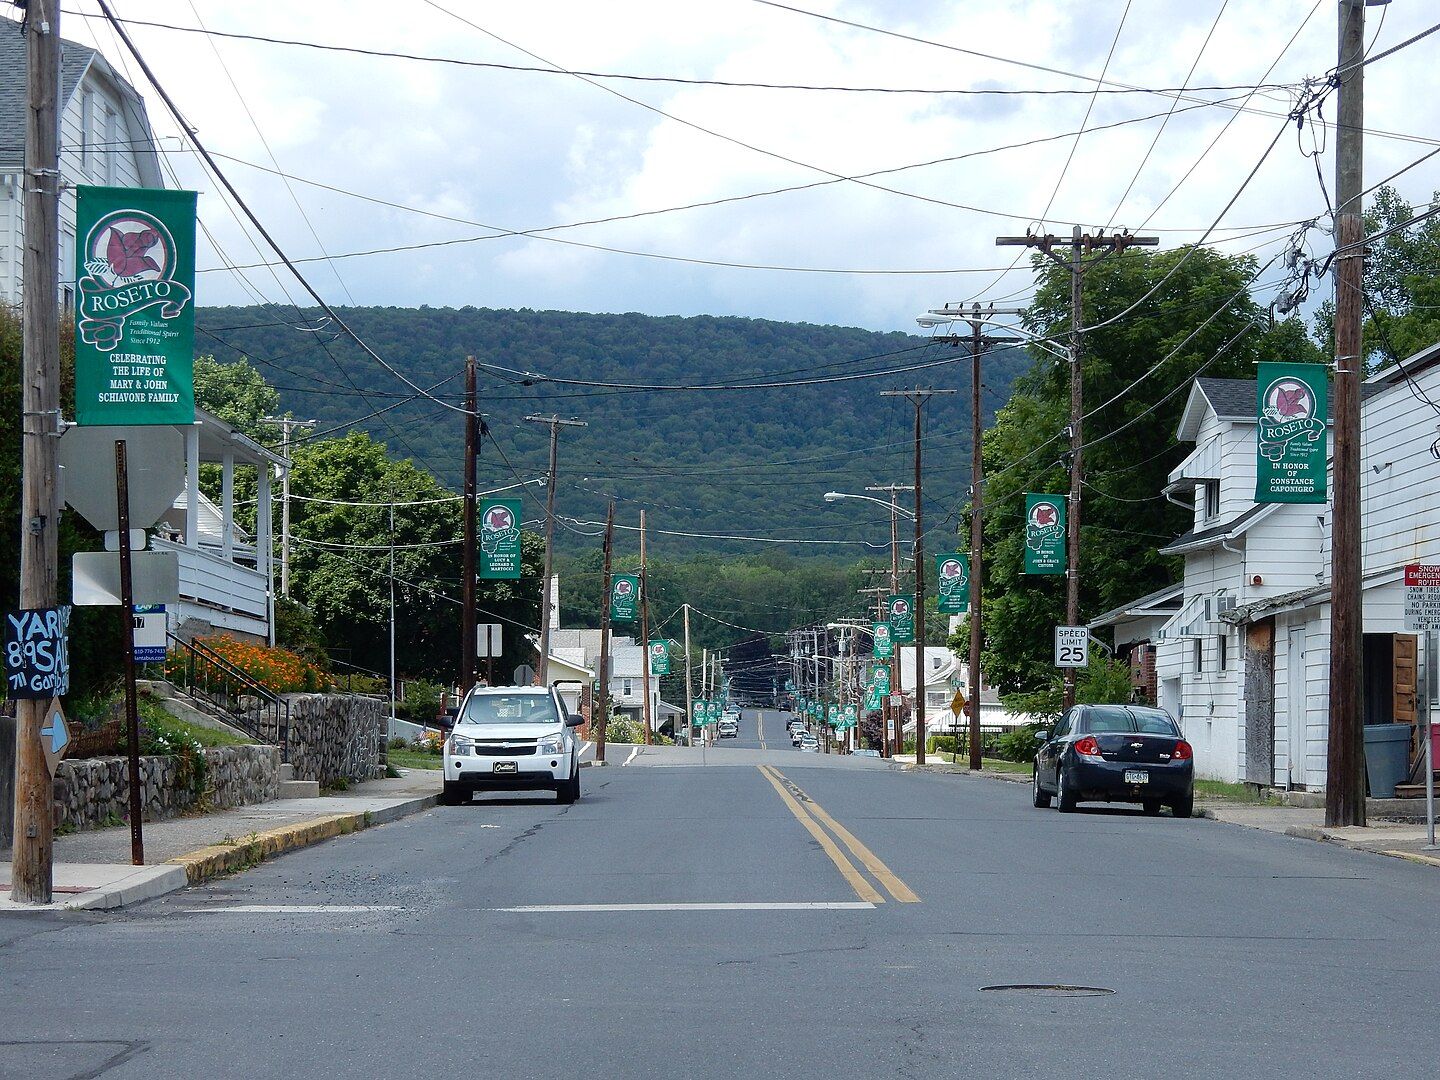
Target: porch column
<point x="264" y="560"/>
<point x="227" y="506"/>
<point x="192" y="486"/>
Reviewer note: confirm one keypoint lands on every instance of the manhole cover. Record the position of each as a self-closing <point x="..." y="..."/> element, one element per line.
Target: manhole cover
<point x="1050" y="989"/>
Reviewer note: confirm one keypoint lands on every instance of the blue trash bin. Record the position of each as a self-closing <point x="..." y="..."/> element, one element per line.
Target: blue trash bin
<point x="1387" y="757"/>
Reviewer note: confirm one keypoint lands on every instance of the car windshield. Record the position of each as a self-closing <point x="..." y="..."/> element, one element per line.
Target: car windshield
<point x="510" y="709"/>
<point x="1123" y="719"/>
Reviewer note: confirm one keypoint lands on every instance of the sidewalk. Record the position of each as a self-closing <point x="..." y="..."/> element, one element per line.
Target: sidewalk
<point x="93" y="871"/>
<point x="1404" y="840"/>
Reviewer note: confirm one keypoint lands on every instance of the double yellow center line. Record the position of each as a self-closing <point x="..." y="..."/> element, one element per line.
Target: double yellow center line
<point x="813" y="816"/>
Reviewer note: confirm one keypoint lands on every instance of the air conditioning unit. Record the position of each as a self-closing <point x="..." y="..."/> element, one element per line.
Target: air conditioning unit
<point x="1224" y="604"/>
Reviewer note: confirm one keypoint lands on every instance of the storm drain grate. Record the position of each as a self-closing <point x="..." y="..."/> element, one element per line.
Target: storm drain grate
<point x="1051" y="989"/>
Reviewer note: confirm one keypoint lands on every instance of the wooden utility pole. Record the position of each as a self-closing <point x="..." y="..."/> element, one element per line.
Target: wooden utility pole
<point x="892" y="743"/>
<point x="1345" y="757"/>
<point x="604" y="705"/>
<point x="979" y="343"/>
<point x="30" y="881"/>
<point x="287" y="424"/>
<point x="689" y="690"/>
<point x="468" y="628"/>
<point x="555" y="424"/>
<point x="644" y="637"/>
<point x="1085" y="252"/>
<point x="918" y="398"/>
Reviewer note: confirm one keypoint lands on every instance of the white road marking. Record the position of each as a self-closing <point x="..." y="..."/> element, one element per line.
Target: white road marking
<point x="293" y="909"/>
<point x="634" y="750"/>
<point x="811" y="905"/>
<point x="584" y="747"/>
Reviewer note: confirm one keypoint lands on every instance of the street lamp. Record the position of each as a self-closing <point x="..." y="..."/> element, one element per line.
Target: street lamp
<point x="836" y="496"/>
<point x="937" y="317"/>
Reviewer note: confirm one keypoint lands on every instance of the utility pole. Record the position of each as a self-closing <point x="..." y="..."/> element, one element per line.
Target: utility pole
<point x="1345" y="756"/>
<point x="31" y="857"/>
<point x="603" y="707"/>
<point x="689" y="691"/>
<point x="468" y="628"/>
<point x="1085" y="252"/>
<point x="644" y="636"/>
<point x="287" y="424"/>
<point x="392" y="605"/>
<point x="980" y="342"/>
<point x="918" y="398"/>
<point x="892" y="742"/>
<point x="555" y="424"/>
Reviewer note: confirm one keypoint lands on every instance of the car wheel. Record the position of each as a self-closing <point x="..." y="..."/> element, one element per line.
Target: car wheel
<point x="1064" y="797"/>
<point x="1040" y="798"/>
<point x="450" y="794"/>
<point x="1185" y="807"/>
<point x="569" y="790"/>
<point x="1152" y="806"/>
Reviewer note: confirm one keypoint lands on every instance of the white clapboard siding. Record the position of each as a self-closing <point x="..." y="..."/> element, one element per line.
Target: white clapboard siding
<point x="10" y="251"/>
<point x="1401" y="500"/>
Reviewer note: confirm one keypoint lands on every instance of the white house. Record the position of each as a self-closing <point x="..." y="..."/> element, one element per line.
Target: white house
<point x="1244" y="663"/>
<point x="105" y="139"/>
<point x="944" y="674"/>
<point x="1134" y="628"/>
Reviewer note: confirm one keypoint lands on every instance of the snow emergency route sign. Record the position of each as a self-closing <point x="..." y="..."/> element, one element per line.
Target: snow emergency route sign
<point x="1422" y="597"/>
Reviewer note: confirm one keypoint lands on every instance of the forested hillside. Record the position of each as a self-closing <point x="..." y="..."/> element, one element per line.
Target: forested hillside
<point x="747" y="461"/>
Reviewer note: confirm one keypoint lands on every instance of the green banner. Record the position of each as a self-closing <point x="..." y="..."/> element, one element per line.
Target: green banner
<point x="850" y="716"/>
<point x="135" y="316"/>
<point x="880" y="678"/>
<point x="714" y="710"/>
<point x="813" y="709"/>
<point x="832" y="715"/>
<point x="872" y="699"/>
<point x="625" y="598"/>
<point x="500" y="538"/>
<point x="1045" y="534"/>
<point x="884" y="647"/>
<point x="901" y="610"/>
<point x="952" y="575"/>
<point x="659" y="658"/>
<point x="1290" y="429"/>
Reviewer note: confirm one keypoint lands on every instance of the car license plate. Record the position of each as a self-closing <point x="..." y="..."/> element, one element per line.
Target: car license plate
<point x="1136" y="776"/>
<point x="507" y="766"/>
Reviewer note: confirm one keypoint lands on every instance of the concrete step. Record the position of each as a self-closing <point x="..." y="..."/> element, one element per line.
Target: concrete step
<point x="299" y="789"/>
<point x="287" y="772"/>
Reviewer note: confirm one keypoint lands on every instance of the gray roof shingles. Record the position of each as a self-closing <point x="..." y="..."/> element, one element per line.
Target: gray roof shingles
<point x="74" y="59"/>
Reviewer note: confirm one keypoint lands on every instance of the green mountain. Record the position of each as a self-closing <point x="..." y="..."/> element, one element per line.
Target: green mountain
<point x="753" y="462"/>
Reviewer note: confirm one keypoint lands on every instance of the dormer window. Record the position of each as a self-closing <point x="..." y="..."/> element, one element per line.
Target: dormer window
<point x="1211" y="495"/>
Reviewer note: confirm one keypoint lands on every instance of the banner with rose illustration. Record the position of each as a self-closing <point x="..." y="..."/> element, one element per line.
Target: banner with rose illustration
<point x="500" y="538"/>
<point x="1290" y="431"/>
<point x="135" y="311"/>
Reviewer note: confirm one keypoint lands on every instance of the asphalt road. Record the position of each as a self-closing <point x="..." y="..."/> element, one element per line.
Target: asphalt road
<point x="747" y="918"/>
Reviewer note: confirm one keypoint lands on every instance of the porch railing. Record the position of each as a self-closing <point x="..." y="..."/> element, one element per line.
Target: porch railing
<point x="230" y="694"/>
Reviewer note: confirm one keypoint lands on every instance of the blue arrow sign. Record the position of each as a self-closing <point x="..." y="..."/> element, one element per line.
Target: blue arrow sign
<point x="57" y="732"/>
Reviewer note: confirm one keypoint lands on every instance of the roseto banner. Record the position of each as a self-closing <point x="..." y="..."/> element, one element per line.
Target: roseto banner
<point x="884" y="647"/>
<point x="500" y="538"/>
<point x="880" y="678"/>
<point x="952" y="572"/>
<point x="1045" y="534"/>
<point x="135" y="317"/>
<point x="625" y="597"/>
<point x="1291" y="422"/>
<point x="659" y="658"/>
<point x="901" y="610"/>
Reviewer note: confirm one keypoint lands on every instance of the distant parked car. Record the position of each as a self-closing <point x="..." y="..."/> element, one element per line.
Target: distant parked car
<point x="727" y="729"/>
<point x="1116" y="753"/>
<point x="510" y="738"/>
<point x="865" y="753"/>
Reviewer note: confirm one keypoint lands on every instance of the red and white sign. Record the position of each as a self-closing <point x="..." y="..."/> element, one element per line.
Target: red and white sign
<point x="1422" y="597"/>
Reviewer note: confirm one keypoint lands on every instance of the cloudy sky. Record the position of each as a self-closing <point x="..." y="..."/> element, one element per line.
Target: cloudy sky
<point x="468" y="152"/>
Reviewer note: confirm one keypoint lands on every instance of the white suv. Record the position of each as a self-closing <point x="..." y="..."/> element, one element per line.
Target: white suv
<point x="512" y="738"/>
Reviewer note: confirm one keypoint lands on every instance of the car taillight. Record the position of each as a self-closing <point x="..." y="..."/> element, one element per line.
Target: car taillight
<point x="1088" y="747"/>
<point x="1182" y="751"/>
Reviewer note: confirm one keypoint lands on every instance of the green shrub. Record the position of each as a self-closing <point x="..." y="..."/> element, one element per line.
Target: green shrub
<point x="622" y="729"/>
<point x="1019" y="744"/>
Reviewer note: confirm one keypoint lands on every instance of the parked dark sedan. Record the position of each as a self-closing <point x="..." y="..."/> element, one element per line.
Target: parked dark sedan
<point x="1116" y="753"/>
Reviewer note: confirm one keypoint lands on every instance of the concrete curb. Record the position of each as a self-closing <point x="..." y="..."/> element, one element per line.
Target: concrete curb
<point x="210" y="862"/>
<point x="146" y="884"/>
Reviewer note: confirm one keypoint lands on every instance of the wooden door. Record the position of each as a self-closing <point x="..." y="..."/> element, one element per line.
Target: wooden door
<point x="1405" y="686"/>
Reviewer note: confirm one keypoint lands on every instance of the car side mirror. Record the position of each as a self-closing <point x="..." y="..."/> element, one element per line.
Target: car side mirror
<point x="573" y="719"/>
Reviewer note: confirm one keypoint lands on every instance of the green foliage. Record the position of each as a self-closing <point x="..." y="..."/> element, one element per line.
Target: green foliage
<point x="1019" y="744"/>
<point x="623" y="729"/>
<point x="421" y="703"/>
<point x="1130" y="436"/>
<point x="297" y="630"/>
<point x="693" y="457"/>
<point x="236" y="393"/>
<point x="1104" y="682"/>
<point x="163" y="735"/>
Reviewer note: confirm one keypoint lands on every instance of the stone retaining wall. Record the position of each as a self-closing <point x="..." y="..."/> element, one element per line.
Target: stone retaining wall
<point x="337" y="737"/>
<point x="89" y="792"/>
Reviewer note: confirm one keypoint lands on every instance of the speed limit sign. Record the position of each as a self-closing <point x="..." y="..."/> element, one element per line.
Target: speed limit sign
<point x="1072" y="646"/>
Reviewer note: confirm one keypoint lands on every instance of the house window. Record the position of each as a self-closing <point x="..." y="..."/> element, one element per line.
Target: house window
<point x="1199" y="654"/>
<point x="112" y="150"/>
<point x="87" y="130"/>
<point x="1212" y="498"/>
<point x="936" y="662"/>
<point x="629" y="688"/>
<point x="936" y="697"/>
<point x="1222" y="650"/>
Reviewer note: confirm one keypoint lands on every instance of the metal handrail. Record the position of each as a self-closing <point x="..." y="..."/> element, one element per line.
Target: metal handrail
<point x="233" y="695"/>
